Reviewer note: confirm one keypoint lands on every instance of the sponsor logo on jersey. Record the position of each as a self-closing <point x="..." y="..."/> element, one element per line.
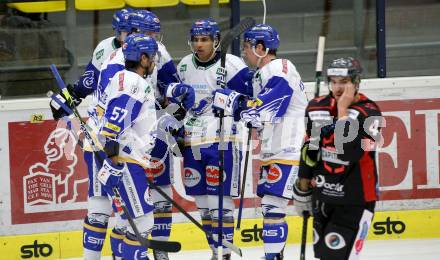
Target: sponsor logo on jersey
<point x="212" y="175"/>
<point x="147" y="197"/>
<point x="334" y="241"/>
<point x="99" y="54"/>
<point x="329" y="154"/>
<point x="118" y="206"/>
<point x="320" y="182"/>
<point x="320" y="115"/>
<point x="274" y="173"/>
<point x="134" y="89"/>
<point x="157" y="169"/>
<point x="191" y="177"/>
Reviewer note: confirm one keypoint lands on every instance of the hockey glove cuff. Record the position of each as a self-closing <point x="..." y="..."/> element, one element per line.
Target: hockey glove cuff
<point x="57" y="111"/>
<point x="110" y="174"/>
<point x="303" y="200"/>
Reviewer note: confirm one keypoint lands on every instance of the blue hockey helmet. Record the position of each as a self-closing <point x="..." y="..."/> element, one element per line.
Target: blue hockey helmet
<point x="145" y="21"/>
<point x="205" y="27"/>
<point x="120" y="20"/>
<point x="265" y="33"/>
<point x="137" y="44"/>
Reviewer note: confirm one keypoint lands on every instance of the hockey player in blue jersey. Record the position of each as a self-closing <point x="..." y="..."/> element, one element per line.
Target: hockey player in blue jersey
<point x="199" y="70"/>
<point x="159" y="170"/>
<point x="87" y="83"/>
<point x="128" y="125"/>
<point x="99" y="206"/>
<point x="278" y="114"/>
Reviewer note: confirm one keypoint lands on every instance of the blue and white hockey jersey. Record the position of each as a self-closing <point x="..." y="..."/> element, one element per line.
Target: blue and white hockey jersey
<point x="88" y="82"/>
<point x="280" y="103"/>
<point x="200" y="124"/>
<point x="164" y="72"/>
<point x="130" y="116"/>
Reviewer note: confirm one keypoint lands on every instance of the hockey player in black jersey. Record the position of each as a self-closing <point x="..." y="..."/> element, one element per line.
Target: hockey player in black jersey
<point x="338" y="180"/>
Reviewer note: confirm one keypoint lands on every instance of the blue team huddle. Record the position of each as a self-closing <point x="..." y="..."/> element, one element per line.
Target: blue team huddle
<point x="146" y="112"/>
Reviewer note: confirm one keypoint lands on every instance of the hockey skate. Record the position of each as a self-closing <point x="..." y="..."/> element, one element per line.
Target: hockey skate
<point x="160" y="255"/>
<point x="225" y="257"/>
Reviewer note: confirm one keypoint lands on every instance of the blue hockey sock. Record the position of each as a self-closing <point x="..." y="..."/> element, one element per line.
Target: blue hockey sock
<point x="274" y="236"/>
<point x="132" y="249"/>
<point x="94" y="234"/>
<point x="116" y="238"/>
<point x="227" y="231"/>
<point x="162" y="226"/>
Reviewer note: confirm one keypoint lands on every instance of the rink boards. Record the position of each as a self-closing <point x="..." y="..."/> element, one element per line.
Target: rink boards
<point x="43" y="185"/>
<point x="414" y="224"/>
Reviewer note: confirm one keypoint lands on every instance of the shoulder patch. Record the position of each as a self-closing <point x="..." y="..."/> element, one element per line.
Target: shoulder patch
<point x="183" y="68"/>
<point x="285" y="67"/>
<point x="99" y="54"/>
<point x="121" y="81"/>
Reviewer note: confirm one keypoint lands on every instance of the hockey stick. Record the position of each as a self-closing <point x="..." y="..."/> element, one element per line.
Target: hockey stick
<point x="304" y="236"/>
<point x="235" y="32"/>
<point x="243" y="184"/>
<point x="168" y="246"/>
<point x="319" y="62"/>
<point x="229" y="245"/>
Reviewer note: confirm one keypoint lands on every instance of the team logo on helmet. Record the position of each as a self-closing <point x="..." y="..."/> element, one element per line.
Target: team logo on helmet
<point x="191" y="177"/>
<point x="274" y="173"/>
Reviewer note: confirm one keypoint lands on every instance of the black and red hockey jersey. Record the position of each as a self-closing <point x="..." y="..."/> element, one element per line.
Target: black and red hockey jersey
<point x="345" y="172"/>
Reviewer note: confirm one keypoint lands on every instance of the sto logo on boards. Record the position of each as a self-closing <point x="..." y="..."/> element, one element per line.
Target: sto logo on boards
<point x="36" y="250"/>
<point x="389" y="227"/>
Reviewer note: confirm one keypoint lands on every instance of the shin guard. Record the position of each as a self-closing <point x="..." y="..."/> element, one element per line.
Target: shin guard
<point x="132" y="249"/>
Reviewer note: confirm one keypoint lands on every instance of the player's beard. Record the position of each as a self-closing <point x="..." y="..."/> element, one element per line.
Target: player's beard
<point x="148" y="69"/>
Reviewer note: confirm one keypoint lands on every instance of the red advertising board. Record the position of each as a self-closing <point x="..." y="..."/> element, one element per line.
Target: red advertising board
<point x="47" y="173"/>
<point x="409" y="158"/>
<point x="49" y="180"/>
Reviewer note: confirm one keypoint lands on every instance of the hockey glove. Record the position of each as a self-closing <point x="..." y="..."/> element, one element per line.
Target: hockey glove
<point x="181" y="93"/>
<point x="57" y="111"/>
<point x="110" y="174"/>
<point x="303" y="200"/>
<point x="229" y="101"/>
<point x="310" y="154"/>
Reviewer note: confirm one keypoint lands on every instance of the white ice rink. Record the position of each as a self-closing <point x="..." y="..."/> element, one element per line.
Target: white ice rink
<point x="410" y="249"/>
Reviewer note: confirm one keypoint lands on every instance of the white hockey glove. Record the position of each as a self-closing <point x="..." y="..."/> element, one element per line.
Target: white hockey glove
<point x="110" y="174"/>
<point x="303" y="200"/>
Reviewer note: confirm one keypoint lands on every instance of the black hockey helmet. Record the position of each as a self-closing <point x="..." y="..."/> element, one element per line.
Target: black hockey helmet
<point x="345" y="67"/>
